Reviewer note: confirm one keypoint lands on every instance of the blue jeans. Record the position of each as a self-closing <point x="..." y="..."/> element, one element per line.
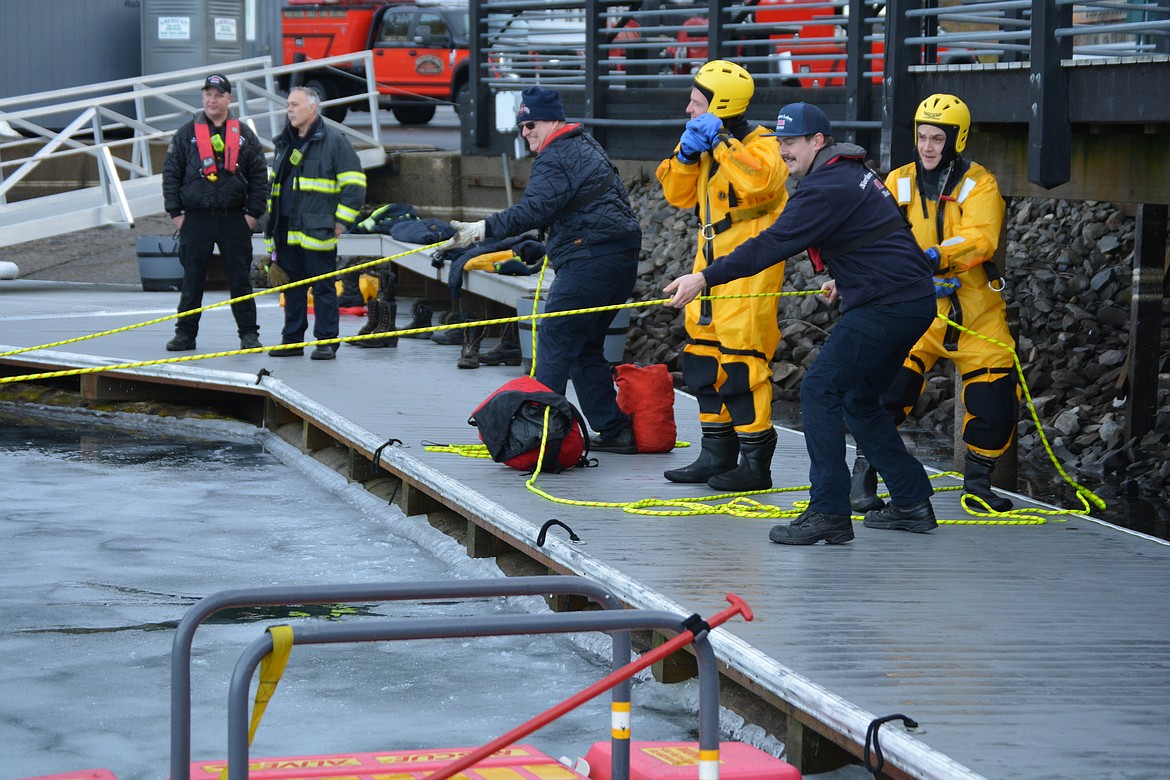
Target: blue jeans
<point x="573" y="347"/>
<point x="301" y="264"/>
<point x="843" y="387"/>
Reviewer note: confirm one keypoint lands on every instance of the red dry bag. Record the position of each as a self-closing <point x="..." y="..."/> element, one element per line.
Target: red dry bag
<point x="646" y="394"/>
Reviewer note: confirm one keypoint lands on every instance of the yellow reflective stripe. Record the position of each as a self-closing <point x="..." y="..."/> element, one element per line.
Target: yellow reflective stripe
<point x="346" y="214"/>
<point x="351" y="177"/>
<point x="275" y="189"/>
<point x="297" y="238"/>
<point x="269" y="245"/>
<point x="307" y="184"/>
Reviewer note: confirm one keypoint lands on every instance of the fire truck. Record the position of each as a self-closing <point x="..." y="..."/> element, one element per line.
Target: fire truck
<point x="419" y="50"/>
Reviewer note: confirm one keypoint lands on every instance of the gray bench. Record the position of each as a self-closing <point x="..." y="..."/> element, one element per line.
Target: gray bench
<point x="496" y="287"/>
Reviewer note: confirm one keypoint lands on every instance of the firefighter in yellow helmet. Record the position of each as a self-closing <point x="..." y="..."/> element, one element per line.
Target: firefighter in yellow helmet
<point x="732" y="173"/>
<point x="956" y="210"/>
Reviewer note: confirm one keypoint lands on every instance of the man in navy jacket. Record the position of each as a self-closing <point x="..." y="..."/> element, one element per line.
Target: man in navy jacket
<point x="593" y="244"/>
<point x="843" y="215"/>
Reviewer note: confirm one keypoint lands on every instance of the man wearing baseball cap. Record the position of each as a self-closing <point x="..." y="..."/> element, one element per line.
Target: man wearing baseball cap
<point x="215" y="183"/>
<point x="850" y="225"/>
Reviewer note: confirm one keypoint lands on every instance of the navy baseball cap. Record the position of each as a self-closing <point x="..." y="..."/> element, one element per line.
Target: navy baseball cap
<point x="797" y="119"/>
<point x="218" y="81"/>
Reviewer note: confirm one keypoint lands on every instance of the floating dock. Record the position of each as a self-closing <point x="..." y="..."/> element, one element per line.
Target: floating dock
<point x="1035" y="651"/>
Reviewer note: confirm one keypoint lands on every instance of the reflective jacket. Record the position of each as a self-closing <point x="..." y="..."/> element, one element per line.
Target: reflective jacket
<point x="328" y="187"/>
<point x="575" y="192"/>
<point x="185" y="188"/>
<point x="842" y="209"/>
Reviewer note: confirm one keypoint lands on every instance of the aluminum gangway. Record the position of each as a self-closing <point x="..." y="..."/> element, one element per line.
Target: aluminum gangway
<point x="117" y="122"/>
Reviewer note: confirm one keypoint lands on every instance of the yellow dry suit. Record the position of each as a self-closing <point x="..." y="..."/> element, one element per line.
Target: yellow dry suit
<point x="966" y="235"/>
<point x="738" y="190"/>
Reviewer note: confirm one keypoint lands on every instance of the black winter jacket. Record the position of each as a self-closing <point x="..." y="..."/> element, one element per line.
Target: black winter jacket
<point x="840" y="203"/>
<point x="568" y="169"/>
<point x="186" y="189"/>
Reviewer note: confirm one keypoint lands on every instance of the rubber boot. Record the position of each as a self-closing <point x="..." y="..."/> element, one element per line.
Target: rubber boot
<point x="977" y="481"/>
<point x="719" y="454"/>
<point x="754" y="471"/>
<point x="351" y="291"/>
<point x="387" y="312"/>
<point x="863" y="495"/>
<point x="507" y="352"/>
<point x="472" y="338"/>
<point x="421" y="318"/>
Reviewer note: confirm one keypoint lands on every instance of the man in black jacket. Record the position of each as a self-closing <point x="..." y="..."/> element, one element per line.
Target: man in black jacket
<point x="214" y="189"/>
<point x="846" y="218"/>
<point x="593" y="244"/>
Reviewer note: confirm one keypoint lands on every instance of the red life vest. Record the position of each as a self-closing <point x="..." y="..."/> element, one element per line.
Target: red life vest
<point x="231" y="148"/>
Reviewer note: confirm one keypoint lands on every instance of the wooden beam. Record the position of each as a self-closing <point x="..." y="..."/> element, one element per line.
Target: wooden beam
<point x="1149" y="264"/>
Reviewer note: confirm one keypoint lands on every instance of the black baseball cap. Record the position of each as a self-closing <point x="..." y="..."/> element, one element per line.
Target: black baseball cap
<point x="218" y="81"/>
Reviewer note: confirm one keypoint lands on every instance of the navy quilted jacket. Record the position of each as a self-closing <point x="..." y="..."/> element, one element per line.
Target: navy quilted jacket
<point x="570" y="168"/>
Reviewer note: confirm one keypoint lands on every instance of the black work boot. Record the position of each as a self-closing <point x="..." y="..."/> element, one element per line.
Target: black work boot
<point x="472" y="339"/>
<point x="719" y="454"/>
<point x="813" y="527"/>
<point x="373" y="311"/>
<point x="182" y="342"/>
<point x="421" y="318"/>
<point x="916" y="518"/>
<point x="863" y="495"/>
<point x="977" y="481"/>
<point x="387" y="312"/>
<point x="754" y="471"/>
<point x="453" y="335"/>
<point x="507" y="352"/>
<point x="621" y="443"/>
<point x="250" y="341"/>
<point x="351" y="291"/>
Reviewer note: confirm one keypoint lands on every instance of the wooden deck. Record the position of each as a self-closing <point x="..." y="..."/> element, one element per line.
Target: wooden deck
<point x="1023" y="652"/>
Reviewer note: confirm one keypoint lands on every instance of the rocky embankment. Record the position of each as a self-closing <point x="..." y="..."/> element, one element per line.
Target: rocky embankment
<point x="1069" y="272"/>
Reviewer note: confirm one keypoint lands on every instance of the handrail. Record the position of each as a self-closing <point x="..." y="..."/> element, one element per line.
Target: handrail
<point x="622" y="621"/>
<point x="389" y="591"/>
<point x="97" y="123"/>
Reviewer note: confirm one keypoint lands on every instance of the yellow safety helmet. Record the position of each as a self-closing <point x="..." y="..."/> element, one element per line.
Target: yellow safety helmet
<point x="728" y="87"/>
<point x="942" y="109"/>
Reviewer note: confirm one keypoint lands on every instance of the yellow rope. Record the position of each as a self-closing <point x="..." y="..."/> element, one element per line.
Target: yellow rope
<point x="200" y="310"/>
<point x="971" y="504"/>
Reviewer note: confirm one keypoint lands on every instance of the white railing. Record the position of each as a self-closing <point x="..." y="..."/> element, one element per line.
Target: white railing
<point x="116" y="123"/>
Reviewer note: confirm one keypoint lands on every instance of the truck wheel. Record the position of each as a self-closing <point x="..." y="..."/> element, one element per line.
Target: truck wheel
<point x="327" y="89"/>
<point x="414" y="113"/>
<point x="462" y="98"/>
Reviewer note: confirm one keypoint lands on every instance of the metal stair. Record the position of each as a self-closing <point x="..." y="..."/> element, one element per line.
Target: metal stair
<point x="128" y="116"/>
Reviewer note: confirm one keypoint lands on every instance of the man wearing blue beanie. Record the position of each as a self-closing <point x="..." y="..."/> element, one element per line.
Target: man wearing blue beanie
<point x="593" y="243"/>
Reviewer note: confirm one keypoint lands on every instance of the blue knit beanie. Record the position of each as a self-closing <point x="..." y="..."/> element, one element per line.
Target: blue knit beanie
<point x="540" y="104"/>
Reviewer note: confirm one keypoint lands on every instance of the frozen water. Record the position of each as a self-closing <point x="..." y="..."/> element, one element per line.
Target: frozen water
<point x="111" y="533"/>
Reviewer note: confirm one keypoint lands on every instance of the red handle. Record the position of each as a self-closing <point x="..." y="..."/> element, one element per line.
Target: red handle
<point x="738" y="607"/>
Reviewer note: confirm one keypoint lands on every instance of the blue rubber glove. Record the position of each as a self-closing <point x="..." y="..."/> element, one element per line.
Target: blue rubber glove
<point x="690" y="147"/>
<point x="946" y="285"/>
<point x="707" y="127"/>
<point x="934" y="256"/>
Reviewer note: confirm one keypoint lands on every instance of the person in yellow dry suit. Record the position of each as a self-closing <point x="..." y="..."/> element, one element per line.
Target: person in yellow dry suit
<point x="956" y="211"/>
<point x="732" y="173"/>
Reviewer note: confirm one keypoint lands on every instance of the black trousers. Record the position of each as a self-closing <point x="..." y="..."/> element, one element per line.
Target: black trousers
<point x="202" y="232"/>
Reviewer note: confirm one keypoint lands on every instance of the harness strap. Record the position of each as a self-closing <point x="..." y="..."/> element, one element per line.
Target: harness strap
<point x="727" y="350"/>
<point x="982" y="371"/>
<point x="230" y="147"/>
<point x="872" y="237"/>
<point x="740" y="215"/>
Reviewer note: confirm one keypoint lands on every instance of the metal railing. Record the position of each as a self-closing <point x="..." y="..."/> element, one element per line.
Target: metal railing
<point x="115" y="123"/>
<point x="782" y="42"/>
<point x="614" y="620"/>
